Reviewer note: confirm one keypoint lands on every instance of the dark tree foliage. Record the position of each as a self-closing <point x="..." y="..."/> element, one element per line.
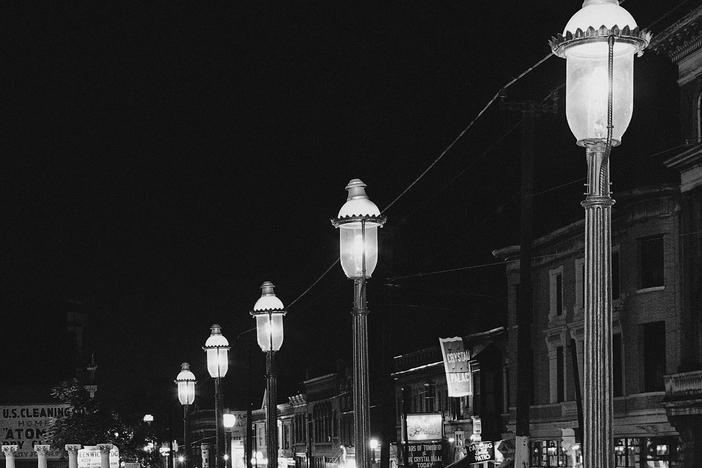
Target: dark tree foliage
<point x="93" y="422"/>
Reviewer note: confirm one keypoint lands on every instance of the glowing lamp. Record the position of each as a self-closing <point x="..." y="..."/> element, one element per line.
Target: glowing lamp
<point x="585" y="46"/>
<point x="186" y="385"/>
<point x="148" y="418"/>
<point x="358" y="222"/>
<point x="228" y="420"/>
<point x="217" y="348"/>
<point x="268" y="312"/>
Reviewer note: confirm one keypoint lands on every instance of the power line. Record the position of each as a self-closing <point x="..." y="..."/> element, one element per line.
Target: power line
<point x="463" y="132"/>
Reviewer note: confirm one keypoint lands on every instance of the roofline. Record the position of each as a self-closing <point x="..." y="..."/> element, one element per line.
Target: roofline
<point x="509" y="252"/>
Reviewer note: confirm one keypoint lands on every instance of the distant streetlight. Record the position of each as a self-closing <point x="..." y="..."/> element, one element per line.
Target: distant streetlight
<point x="599" y="43"/>
<point x="269" y="312"/>
<point x="358" y="222"/>
<point x="148" y="418"/>
<point x="229" y="421"/>
<point x="374" y="444"/>
<point x="186" y="395"/>
<point x="217" y="348"/>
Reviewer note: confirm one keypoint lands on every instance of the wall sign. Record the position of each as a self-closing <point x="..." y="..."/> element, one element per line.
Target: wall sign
<point x="424" y="426"/>
<point x="89" y="457"/>
<point x="425" y="455"/>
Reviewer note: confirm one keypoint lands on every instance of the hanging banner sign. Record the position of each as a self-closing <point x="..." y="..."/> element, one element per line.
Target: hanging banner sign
<point x="457" y="366"/>
<point x="28" y="425"/>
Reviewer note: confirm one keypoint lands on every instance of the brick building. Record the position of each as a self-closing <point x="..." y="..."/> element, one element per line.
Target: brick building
<point x="682" y="43"/>
<point x="647" y="323"/>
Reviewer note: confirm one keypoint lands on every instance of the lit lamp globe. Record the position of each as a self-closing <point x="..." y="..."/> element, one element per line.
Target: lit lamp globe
<point x="584" y="45"/>
<point x="228" y="421"/>
<point x="217" y="348"/>
<point x="269" y="312"/>
<point x="358" y="222"/>
<point x="186" y="385"/>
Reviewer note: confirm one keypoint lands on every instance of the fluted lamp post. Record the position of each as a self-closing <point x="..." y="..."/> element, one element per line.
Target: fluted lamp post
<point x="217" y="348"/>
<point x="599" y="43"/>
<point x="358" y="222"/>
<point x="269" y="312"/>
<point x="185" y="382"/>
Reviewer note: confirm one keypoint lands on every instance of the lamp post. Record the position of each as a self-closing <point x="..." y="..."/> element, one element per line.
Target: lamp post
<point x="229" y="421"/>
<point x="599" y="43"/>
<point x="186" y="395"/>
<point x="216" y="348"/>
<point x="358" y="222"/>
<point x="268" y="312"/>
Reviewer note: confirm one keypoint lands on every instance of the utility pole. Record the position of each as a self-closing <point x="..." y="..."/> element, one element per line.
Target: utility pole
<point x="525" y="367"/>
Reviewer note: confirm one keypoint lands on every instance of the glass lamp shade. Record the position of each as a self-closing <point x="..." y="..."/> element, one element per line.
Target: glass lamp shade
<point x="269" y="331"/>
<point x="217" y="348"/>
<point x="358" y="249"/>
<point x="186" y="385"/>
<point x="358" y="222"/>
<point x="587" y="86"/>
<point x="269" y="312"/>
<point x="587" y="77"/>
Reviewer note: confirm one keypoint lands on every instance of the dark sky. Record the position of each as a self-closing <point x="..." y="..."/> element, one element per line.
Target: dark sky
<point x="163" y="158"/>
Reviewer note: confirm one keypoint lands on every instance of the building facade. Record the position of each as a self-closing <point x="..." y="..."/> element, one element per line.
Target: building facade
<point x="420" y="387"/>
<point x="647" y="327"/>
<point x="682" y="43"/>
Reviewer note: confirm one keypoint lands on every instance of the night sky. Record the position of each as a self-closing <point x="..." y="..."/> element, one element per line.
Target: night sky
<point x="162" y="159"/>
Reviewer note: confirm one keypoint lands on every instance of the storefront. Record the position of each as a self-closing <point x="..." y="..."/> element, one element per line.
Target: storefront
<point x="629" y="452"/>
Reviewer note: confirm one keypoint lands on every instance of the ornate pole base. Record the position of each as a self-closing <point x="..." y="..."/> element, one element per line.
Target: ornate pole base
<point x="597" y="433"/>
<point x="361" y="398"/>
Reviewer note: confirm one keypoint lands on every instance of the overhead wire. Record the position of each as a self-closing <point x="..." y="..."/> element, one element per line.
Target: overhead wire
<point x="462" y="133"/>
<point x="436" y="160"/>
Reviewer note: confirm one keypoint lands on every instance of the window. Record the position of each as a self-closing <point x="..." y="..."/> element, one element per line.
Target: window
<point x="556" y="287"/>
<point x="651" y="262"/>
<point x="617" y="368"/>
<point x="653" y="355"/>
<point x="549" y="453"/>
<point x="560" y="373"/>
<point x="429" y="396"/>
<point x="615" y="274"/>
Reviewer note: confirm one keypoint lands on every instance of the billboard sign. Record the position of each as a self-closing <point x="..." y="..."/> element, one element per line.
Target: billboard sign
<point x="28" y="425"/>
<point x="424" y="426"/>
<point x="424" y="455"/>
<point x="89" y="457"/>
<point x="457" y="366"/>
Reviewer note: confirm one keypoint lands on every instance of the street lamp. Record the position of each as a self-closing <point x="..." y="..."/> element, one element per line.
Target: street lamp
<point x="374" y="444"/>
<point x="216" y="348"/>
<point x="599" y="43"/>
<point x="268" y="312"/>
<point x="358" y="222"/>
<point x="229" y="421"/>
<point x="186" y="395"/>
<point x="148" y="418"/>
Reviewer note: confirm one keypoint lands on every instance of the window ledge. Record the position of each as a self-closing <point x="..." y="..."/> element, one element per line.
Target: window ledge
<point x="651" y="289"/>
